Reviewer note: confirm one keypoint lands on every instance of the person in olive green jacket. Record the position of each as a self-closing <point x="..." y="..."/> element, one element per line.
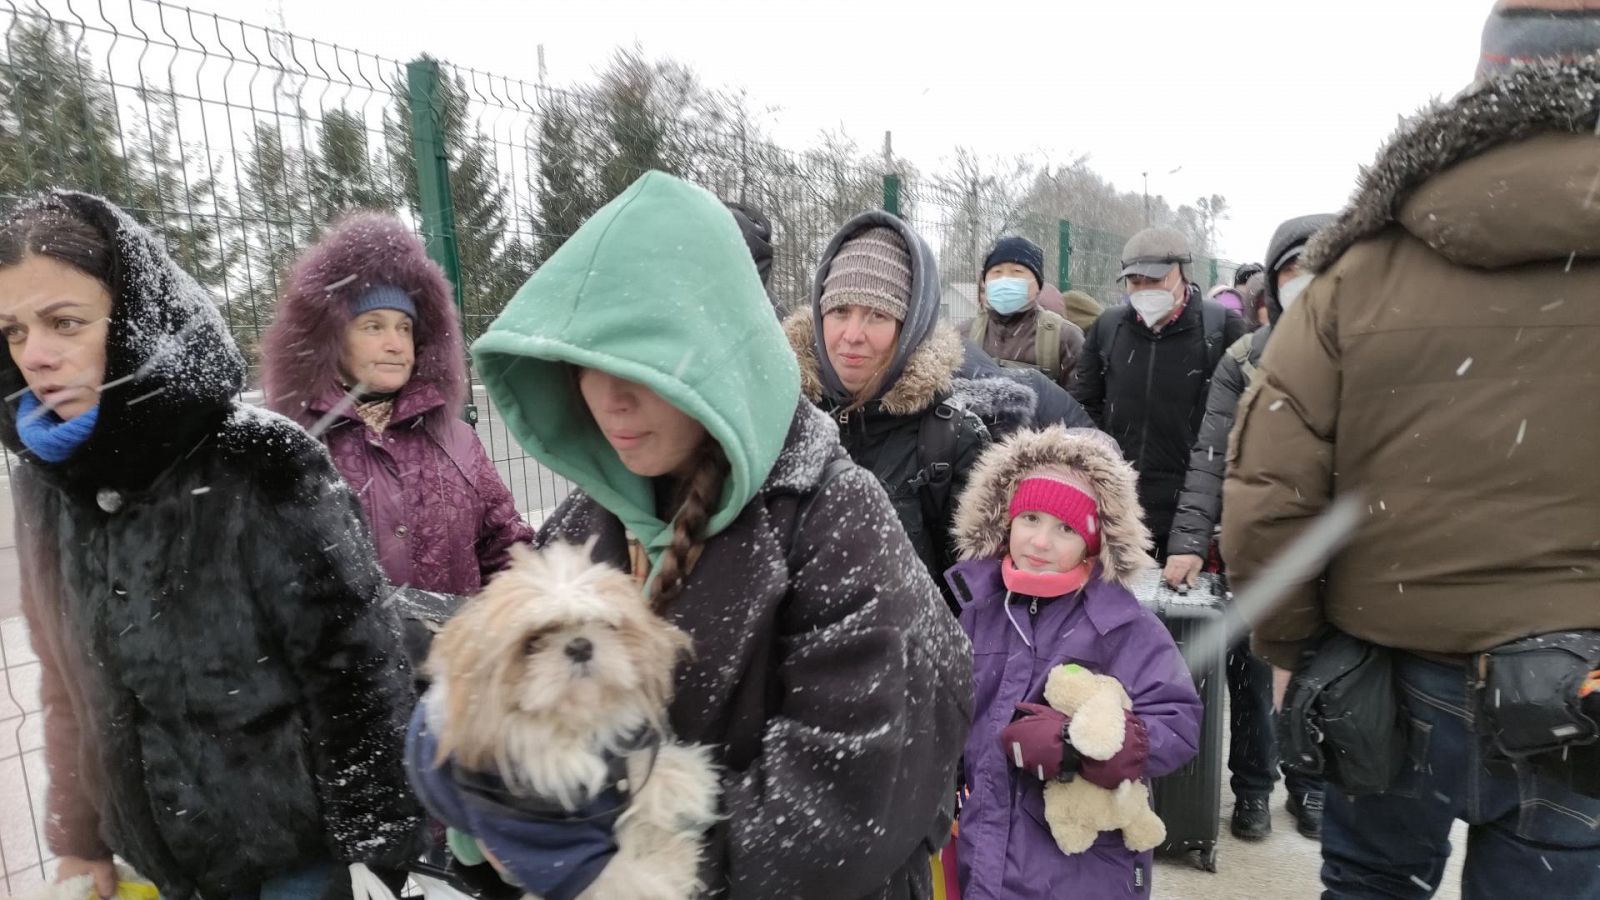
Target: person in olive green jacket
<point x="642" y="362"/>
<point x="1013" y="326"/>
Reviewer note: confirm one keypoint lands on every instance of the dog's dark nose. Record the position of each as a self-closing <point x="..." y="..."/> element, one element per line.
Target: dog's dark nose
<point x="580" y="650"/>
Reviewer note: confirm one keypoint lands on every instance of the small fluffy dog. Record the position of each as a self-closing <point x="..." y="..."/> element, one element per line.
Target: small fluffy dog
<point x="559" y="664"/>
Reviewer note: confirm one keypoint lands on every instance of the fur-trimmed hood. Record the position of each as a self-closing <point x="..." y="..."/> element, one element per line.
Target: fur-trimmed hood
<point x="172" y="369"/>
<point x="300" y="352"/>
<point x="922" y="312"/>
<point x="1476" y="218"/>
<point x="929" y="373"/>
<point x="983" y="516"/>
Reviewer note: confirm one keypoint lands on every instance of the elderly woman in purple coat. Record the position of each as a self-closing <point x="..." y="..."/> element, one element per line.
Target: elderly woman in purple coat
<point x="367" y="351"/>
<point x="1051" y="531"/>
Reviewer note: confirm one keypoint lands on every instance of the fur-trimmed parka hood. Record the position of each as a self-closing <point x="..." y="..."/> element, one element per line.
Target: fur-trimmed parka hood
<point x="171" y="371"/>
<point x="301" y="351"/>
<point x="929" y="374"/>
<point x="983" y="515"/>
<point x="1503" y="174"/>
<point x="922" y="311"/>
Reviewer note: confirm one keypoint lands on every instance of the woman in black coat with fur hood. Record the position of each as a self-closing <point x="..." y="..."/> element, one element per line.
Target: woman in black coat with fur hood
<point x="223" y="688"/>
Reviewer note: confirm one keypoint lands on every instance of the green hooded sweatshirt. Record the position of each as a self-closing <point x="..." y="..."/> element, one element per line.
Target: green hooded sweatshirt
<point x="656" y="288"/>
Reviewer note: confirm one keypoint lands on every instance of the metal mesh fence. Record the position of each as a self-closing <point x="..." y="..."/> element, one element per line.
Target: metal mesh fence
<point x="240" y="144"/>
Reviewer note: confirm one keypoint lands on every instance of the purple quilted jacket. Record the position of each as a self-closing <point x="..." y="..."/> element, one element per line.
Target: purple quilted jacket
<point x="440" y="516"/>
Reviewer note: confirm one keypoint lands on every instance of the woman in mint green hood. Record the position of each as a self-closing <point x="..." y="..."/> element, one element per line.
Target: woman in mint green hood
<point x="642" y="362"/>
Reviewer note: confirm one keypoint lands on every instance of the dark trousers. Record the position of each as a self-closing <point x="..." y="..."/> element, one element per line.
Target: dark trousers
<point x="1527" y="838"/>
<point x="1253" y="750"/>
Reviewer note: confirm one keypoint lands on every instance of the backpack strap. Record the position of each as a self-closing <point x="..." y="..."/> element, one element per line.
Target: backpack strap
<point x="835" y="467"/>
<point x="936" y="454"/>
<point x="1214" y="318"/>
<point x="980" y="328"/>
<point x="1240" y="353"/>
<point x="1047" y="344"/>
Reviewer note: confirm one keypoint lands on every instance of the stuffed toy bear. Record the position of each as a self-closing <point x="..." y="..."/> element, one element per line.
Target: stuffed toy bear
<point x="1078" y="810"/>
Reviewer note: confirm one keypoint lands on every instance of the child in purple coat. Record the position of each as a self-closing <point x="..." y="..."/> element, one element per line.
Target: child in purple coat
<point x="1051" y="531"/>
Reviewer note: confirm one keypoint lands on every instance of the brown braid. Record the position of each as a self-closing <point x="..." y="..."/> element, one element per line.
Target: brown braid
<point x="697" y="499"/>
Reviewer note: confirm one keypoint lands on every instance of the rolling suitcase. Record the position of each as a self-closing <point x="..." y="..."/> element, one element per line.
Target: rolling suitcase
<point x="1189" y="800"/>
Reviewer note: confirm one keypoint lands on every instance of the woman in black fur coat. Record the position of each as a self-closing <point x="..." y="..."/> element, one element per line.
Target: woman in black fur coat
<point x="223" y="689"/>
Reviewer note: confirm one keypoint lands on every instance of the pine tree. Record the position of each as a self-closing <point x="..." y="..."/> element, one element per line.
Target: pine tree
<point x="564" y="181"/>
<point x="276" y="204"/>
<point x="176" y="194"/>
<point x="58" y="119"/>
<point x="344" y="175"/>
<point x="493" y="263"/>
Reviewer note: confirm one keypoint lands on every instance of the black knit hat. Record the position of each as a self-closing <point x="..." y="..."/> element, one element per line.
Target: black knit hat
<point x="1019" y="250"/>
<point x="757" y="233"/>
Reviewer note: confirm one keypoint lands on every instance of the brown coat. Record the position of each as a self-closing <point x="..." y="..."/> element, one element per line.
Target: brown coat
<point x="1011" y="338"/>
<point x="1445" y="365"/>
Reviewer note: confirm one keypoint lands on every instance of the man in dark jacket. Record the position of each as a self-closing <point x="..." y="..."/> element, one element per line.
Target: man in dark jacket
<point x="1442" y="363"/>
<point x="1013" y="329"/>
<point x="1254" y="748"/>
<point x="1147" y="365"/>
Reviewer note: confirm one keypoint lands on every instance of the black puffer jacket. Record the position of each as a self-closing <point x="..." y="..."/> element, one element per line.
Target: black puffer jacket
<point x="1200" y="503"/>
<point x="891" y="435"/>
<point x="1148" y="390"/>
<point x="886" y="437"/>
<point x="835" y="690"/>
<point x="224" y="692"/>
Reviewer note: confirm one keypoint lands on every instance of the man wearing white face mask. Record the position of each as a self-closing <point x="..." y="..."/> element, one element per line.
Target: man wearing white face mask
<point x="1013" y="328"/>
<point x="1146" y="367"/>
<point x="1253" y="753"/>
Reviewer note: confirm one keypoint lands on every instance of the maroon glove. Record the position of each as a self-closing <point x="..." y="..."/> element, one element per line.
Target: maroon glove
<point x="1128" y="764"/>
<point x="1034" y="742"/>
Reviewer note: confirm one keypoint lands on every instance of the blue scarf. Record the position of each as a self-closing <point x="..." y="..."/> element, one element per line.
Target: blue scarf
<point x="51" y="439"/>
<point x="553" y="854"/>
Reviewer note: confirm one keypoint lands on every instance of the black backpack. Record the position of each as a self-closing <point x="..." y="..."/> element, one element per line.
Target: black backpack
<point x="936" y="458"/>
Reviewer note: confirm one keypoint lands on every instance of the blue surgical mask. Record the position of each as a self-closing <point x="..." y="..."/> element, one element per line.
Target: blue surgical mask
<point x="1006" y="295"/>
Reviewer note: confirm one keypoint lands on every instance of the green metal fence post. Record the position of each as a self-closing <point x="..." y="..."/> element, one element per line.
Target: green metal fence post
<point x="1064" y="257"/>
<point x="1213" y="273"/>
<point x="433" y="183"/>
<point x="891" y="194"/>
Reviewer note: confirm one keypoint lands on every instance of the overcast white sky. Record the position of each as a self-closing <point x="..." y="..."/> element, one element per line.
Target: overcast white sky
<point x="1272" y="104"/>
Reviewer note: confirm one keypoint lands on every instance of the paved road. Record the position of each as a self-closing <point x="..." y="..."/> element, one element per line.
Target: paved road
<point x="1285" y="866"/>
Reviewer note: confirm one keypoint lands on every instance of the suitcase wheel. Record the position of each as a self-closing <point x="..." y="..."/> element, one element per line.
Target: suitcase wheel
<point x="1204" y="860"/>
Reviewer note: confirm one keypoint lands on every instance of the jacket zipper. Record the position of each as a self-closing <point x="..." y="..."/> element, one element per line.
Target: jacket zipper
<point x="1033" y="608"/>
<point x="1149" y="381"/>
